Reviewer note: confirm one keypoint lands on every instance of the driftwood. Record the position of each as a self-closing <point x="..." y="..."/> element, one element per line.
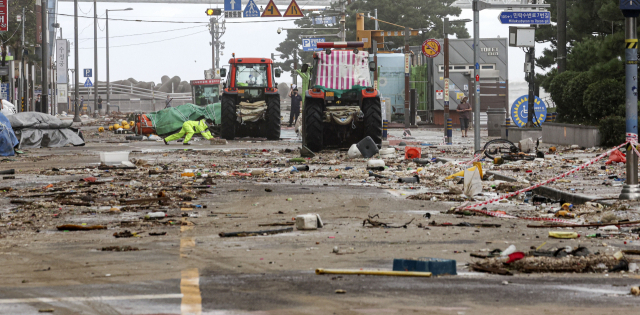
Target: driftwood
<point x="278" y="224"/>
<point x="75" y="227"/>
<point x="375" y="223"/>
<point x="255" y="233"/>
<point x="583" y="225"/>
<point x="146" y="200"/>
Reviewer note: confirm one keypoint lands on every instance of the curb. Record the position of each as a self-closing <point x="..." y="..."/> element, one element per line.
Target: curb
<point x="548" y="192"/>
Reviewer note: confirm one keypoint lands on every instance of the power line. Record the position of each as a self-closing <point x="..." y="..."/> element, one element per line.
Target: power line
<point x="177" y="22"/>
<point x="177" y="29"/>
<point x="157" y="41"/>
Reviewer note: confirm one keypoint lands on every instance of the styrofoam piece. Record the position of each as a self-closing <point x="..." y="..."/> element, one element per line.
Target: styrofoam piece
<point x="114" y="158"/>
<point x="375" y="164"/>
<point x="354" y="152"/>
<point x="309" y="221"/>
<point x="387" y="151"/>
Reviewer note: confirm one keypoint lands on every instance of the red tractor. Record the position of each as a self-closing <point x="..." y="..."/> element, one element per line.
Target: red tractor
<point x="341" y="107"/>
<point x="250" y="103"/>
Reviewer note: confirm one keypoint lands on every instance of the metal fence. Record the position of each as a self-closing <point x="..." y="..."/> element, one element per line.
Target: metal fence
<point x="127" y="98"/>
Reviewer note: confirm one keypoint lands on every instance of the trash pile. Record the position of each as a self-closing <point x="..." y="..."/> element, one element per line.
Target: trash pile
<point x="565" y="259"/>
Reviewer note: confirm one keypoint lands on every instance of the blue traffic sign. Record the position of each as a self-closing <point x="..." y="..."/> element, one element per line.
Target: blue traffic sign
<point x="477" y="66"/>
<point x="251" y="10"/>
<point x="88" y="73"/>
<point x="311" y="44"/>
<point x="520" y="108"/>
<point x="531" y="17"/>
<point x="88" y="83"/>
<point x="232" y="5"/>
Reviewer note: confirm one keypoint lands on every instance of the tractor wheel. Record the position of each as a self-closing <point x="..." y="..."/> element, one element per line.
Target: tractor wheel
<point x="273" y="118"/>
<point x="373" y="119"/>
<point x="229" y="118"/>
<point x="313" y="128"/>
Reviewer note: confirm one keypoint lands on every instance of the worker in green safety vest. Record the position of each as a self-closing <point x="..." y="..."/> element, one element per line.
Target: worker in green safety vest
<point x="189" y="128"/>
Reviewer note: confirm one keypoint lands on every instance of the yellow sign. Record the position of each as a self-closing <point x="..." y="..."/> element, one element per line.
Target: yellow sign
<point x="293" y="10"/>
<point x="271" y="10"/>
<point x="459" y="96"/>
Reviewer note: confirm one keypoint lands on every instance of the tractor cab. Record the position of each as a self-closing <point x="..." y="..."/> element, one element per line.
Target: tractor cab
<point x="205" y="92"/>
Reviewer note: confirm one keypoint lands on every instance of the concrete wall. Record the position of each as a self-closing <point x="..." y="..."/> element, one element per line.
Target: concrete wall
<point x="517" y="134"/>
<point x="567" y="134"/>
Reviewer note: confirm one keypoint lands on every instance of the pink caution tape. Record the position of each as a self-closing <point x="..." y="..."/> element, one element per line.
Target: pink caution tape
<point x="515" y="193"/>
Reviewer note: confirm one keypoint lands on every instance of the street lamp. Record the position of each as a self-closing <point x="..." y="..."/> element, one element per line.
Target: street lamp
<point x="109" y="82"/>
<point x="447" y="31"/>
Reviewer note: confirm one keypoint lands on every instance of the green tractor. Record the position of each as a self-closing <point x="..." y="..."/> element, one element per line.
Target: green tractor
<point x="341" y="107"/>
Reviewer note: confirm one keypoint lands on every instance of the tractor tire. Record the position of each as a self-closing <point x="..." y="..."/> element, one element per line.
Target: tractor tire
<point x="313" y="125"/>
<point x="373" y="119"/>
<point x="273" y="118"/>
<point x="229" y="118"/>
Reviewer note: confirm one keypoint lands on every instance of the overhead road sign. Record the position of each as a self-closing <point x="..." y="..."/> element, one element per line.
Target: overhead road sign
<point x="271" y="10"/>
<point x="251" y="10"/>
<point x="88" y="83"/>
<point x="233" y="5"/>
<point x="525" y="17"/>
<point x="293" y="10"/>
<point x="311" y="44"/>
<point x="431" y="48"/>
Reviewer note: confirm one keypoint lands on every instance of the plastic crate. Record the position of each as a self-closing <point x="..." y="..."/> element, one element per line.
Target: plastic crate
<point x="436" y="266"/>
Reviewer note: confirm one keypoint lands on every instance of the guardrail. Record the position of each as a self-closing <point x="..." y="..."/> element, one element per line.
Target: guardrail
<point x="118" y="89"/>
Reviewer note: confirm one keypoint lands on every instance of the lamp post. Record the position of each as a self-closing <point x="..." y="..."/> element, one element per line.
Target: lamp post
<point x="447" y="31"/>
<point x="76" y="92"/>
<point x="107" y="28"/>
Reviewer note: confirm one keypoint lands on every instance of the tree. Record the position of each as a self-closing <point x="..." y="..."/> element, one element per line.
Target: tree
<point x="603" y="98"/>
<point x="13" y="39"/>
<point x="417" y="14"/>
<point x="556" y="89"/>
<point x="572" y="98"/>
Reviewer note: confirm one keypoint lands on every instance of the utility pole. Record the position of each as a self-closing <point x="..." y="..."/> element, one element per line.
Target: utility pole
<point x="76" y="91"/>
<point x="44" y="99"/>
<point x="295" y="67"/>
<point x="531" y="99"/>
<point x="446" y="79"/>
<point x="407" y="70"/>
<point x="562" y="35"/>
<point x="630" y="190"/>
<point x="476" y="85"/>
<point x="217" y="30"/>
<point x="21" y="86"/>
<point x="107" y="46"/>
<point x="95" y="59"/>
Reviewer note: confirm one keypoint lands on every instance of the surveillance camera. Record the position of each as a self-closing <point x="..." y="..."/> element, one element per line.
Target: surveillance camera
<point x="279" y="30"/>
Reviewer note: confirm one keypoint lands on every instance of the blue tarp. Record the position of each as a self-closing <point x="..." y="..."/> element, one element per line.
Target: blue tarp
<point x="8" y="138"/>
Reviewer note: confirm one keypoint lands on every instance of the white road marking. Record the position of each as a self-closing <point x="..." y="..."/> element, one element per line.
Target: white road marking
<point x="91" y="298"/>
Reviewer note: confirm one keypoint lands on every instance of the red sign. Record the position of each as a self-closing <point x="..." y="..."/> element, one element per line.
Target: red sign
<point x="201" y="82"/>
<point x="431" y="48"/>
<point x="477" y="77"/>
<point x="4" y="15"/>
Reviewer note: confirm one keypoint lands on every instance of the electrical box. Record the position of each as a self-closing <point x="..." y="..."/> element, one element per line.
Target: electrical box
<point x="522" y="36"/>
<point x="527" y="67"/>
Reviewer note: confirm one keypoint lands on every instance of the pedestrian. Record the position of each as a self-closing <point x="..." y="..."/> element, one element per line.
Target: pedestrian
<point x="99" y="104"/>
<point x="167" y="102"/>
<point x="38" y="104"/>
<point x="189" y="128"/>
<point x="296" y="100"/>
<point x="464" y="109"/>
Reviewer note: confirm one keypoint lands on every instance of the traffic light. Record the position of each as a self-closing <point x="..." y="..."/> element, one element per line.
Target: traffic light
<point x="211" y="11"/>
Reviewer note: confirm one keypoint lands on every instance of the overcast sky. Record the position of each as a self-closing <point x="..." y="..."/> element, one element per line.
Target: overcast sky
<point x="184" y="50"/>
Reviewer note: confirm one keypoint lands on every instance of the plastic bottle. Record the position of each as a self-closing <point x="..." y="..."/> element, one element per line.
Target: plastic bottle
<point x="155" y="215"/>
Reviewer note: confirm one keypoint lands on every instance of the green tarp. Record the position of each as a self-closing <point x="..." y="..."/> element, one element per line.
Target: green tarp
<point x="170" y="120"/>
<point x="338" y="93"/>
